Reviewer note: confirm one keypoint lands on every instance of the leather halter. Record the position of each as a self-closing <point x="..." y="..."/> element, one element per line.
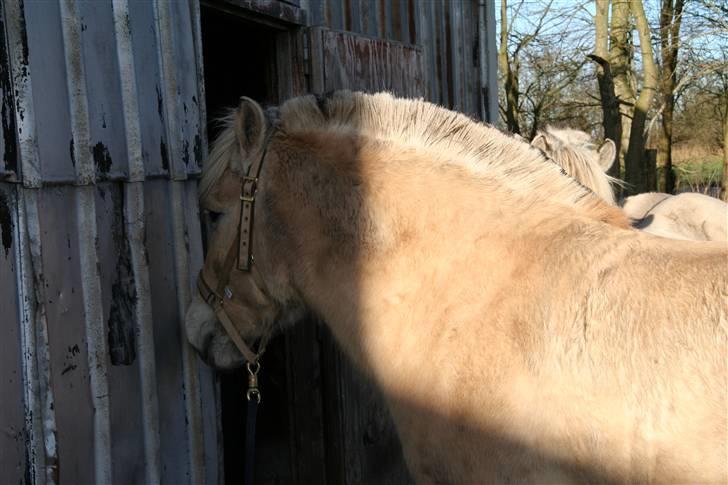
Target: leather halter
<point x="244" y="255"/>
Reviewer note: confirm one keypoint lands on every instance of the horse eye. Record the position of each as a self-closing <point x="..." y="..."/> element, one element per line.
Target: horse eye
<point x="214" y="216"/>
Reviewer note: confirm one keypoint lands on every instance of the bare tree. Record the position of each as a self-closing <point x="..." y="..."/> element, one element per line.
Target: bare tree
<point x="621" y="55"/>
<point x="509" y="68"/>
<point x="618" y="87"/>
<point x="611" y="119"/>
<point x="670" y="21"/>
<point x="635" y="168"/>
<point x="541" y="56"/>
<point x="724" y="178"/>
<point x="702" y="85"/>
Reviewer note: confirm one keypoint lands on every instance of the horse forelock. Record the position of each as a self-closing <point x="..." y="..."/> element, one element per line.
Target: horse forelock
<point x="224" y="152"/>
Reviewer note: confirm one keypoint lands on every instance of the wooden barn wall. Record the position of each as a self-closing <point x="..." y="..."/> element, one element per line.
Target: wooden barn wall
<point x="460" y="62"/>
<point x="103" y="136"/>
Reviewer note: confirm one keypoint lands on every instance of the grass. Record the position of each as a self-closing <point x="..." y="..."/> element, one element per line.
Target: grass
<point x="699" y="173"/>
<point x="696" y="168"/>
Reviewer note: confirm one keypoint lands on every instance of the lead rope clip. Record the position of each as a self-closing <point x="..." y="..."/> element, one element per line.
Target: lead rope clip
<point x="253" y="391"/>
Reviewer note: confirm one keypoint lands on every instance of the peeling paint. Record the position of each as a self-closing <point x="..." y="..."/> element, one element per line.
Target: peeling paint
<point x="165" y="155"/>
<point x="6" y="224"/>
<point x="10" y="155"/>
<point x="121" y="336"/>
<point x="29" y="474"/>
<point x="24" y="39"/>
<point x="160" y="104"/>
<point x="198" y="149"/>
<point x="102" y="158"/>
<point x="186" y="152"/>
<point x="73" y="154"/>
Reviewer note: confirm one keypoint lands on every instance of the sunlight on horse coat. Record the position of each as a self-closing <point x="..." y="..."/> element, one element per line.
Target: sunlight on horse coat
<point x="689" y="216"/>
<point x="519" y="328"/>
<point x="580" y="158"/>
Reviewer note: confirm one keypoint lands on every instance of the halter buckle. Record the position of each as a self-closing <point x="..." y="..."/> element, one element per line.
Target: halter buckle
<point x="253" y="181"/>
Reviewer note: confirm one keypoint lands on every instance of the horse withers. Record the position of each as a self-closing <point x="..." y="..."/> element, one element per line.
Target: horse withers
<point x="520" y="330"/>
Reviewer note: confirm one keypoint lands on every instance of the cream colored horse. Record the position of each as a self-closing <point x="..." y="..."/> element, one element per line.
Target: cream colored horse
<point x="580" y="158"/>
<point x="690" y="216"/>
<point x="519" y="328"/>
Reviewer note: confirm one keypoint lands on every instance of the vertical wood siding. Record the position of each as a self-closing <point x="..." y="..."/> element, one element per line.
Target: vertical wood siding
<point x="103" y="137"/>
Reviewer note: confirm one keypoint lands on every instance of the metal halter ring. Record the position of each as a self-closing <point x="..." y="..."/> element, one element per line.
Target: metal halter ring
<point x="253" y="391"/>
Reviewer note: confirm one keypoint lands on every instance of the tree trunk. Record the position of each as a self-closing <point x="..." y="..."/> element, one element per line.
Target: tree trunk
<point x="724" y="178"/>
<point x="651" y="169"/>
<point x="634" y="162"/>
<point x="620" y="60"/>
<point x="611" y="120"/>
<point x="670" y="20"/>
<point x="510" y="84"/>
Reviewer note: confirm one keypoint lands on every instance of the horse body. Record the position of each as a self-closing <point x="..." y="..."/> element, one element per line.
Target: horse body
<point x="689" y="215"/>
<point x="511" y="344"/>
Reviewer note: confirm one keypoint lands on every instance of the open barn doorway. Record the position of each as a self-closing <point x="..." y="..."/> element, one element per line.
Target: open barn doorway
<point x="239" y="56"/>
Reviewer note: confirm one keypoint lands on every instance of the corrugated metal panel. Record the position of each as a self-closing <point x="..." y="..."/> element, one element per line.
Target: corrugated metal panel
<point x="103" y="114"/>
<point x="8" y="145"/>
<point x="449" y="31"/>
<point x="12" y="426"/>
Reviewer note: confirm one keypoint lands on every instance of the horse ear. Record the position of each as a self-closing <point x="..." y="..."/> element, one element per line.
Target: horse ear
<point x="607" y="153"/>
<point x="250" y="128"/>
<point x="539" y="141"/>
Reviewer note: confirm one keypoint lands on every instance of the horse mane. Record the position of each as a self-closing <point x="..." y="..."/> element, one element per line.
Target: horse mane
<point x="487" y="151"/>
<point x="224" y="154"/>
<point x="575" y="151"/>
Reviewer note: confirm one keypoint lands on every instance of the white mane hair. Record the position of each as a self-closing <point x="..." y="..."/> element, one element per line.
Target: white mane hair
<point x="576" y="152"/>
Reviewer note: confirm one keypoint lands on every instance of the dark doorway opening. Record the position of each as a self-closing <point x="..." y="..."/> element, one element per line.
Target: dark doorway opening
<point x="240" y="60"/>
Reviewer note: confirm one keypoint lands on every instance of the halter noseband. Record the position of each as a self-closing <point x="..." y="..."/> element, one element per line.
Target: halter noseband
<point x="244" y="253"/>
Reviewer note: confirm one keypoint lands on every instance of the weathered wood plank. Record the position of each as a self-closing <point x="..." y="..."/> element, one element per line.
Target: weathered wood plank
<point x="364" y="64"/>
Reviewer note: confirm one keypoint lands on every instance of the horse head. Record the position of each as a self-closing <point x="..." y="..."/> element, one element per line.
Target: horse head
<point x="241" y="287"/>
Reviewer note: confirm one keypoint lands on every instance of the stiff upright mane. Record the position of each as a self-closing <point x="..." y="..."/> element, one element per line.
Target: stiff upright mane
<point x="486" y="151"/>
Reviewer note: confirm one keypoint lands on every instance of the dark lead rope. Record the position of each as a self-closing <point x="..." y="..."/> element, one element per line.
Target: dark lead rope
<point x="250" y="441"/>
<point x="253" y="397"/>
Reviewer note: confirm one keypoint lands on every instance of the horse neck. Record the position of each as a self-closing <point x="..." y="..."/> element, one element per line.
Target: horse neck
<point x="366" y="236"/>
